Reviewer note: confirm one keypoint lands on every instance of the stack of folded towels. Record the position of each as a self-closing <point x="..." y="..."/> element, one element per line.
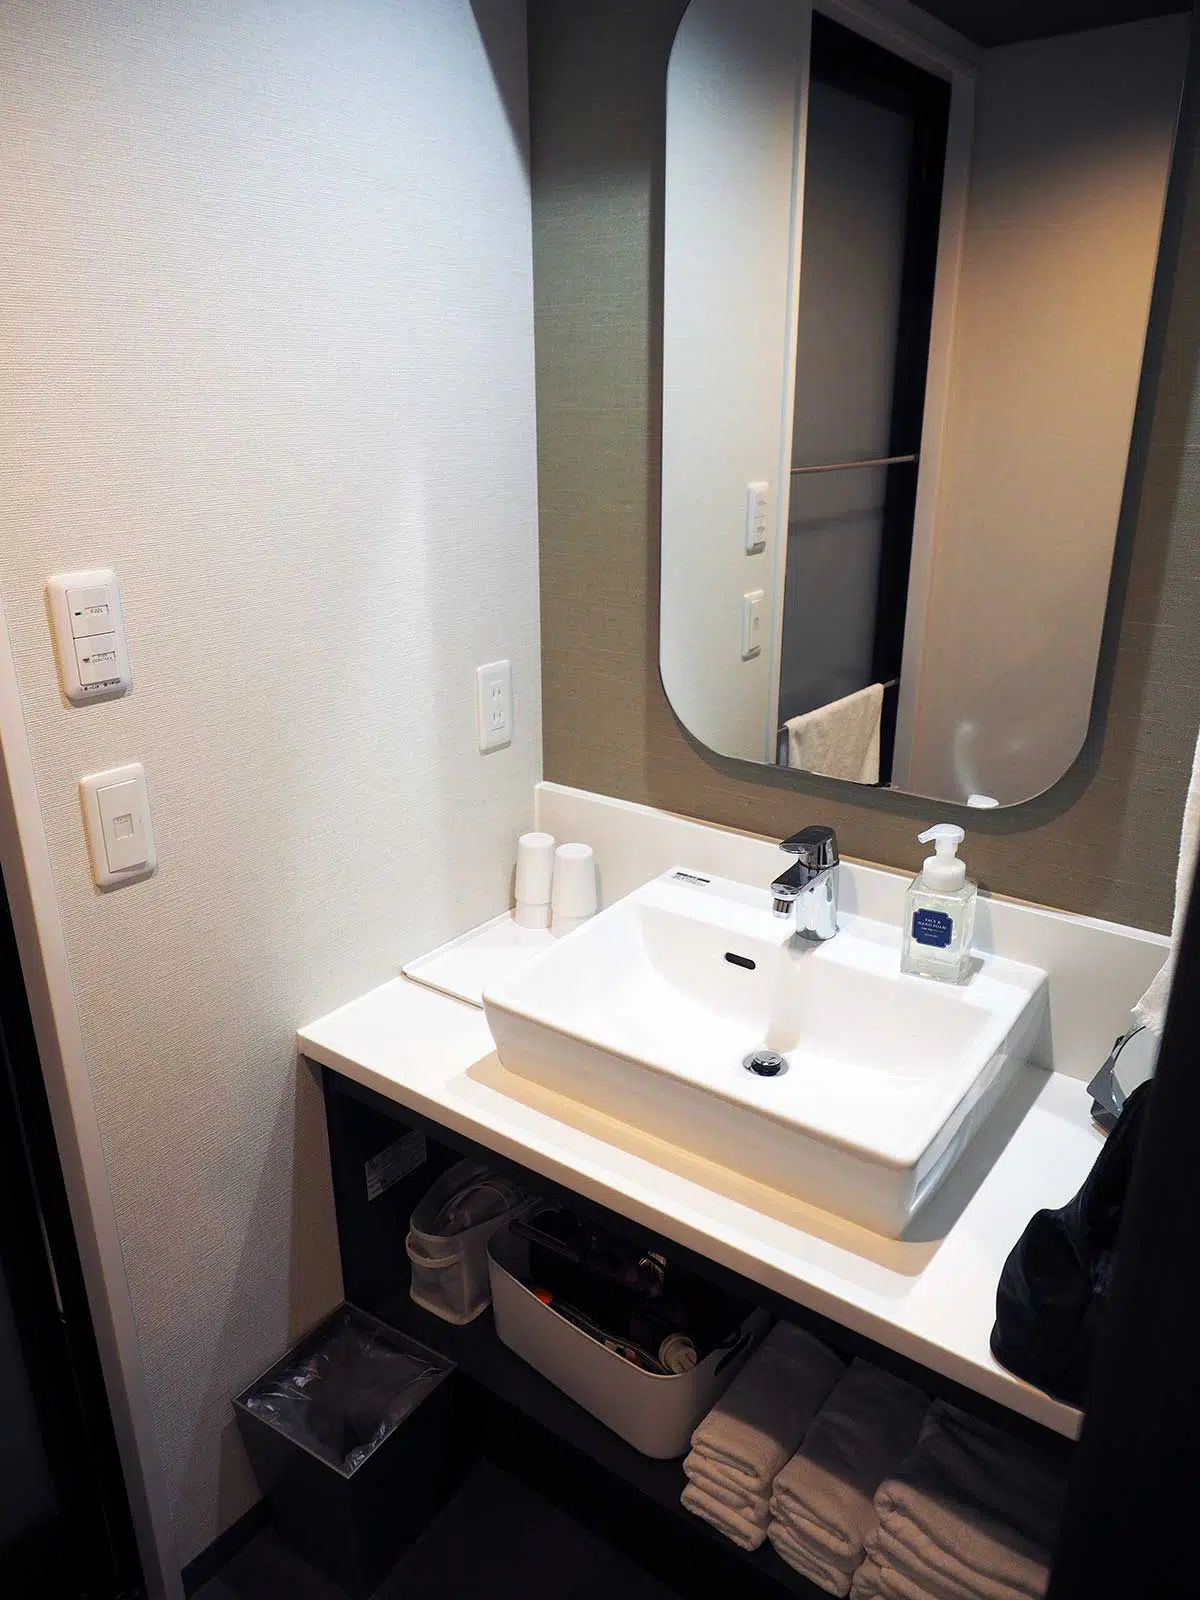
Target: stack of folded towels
<point x="972" y="1514"/>
<point x="751" y="1433"/>
<point x="822" y="1508"/>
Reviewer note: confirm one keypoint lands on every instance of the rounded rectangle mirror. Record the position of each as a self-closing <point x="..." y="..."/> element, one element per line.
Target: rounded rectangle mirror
<point x="908" y="275"/>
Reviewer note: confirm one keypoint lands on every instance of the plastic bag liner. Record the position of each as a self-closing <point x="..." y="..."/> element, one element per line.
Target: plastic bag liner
<point x="343" y="1399"/>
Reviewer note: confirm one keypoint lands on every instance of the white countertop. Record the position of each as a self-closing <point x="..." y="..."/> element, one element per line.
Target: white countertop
<point x="929" y="1296"/>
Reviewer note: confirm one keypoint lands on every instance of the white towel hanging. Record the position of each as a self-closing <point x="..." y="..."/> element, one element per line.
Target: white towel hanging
<point x="840" y="740"/>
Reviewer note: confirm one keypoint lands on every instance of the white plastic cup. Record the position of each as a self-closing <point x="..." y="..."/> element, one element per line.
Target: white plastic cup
<point x="535" y="873"/>
<point x="573" y="897"/>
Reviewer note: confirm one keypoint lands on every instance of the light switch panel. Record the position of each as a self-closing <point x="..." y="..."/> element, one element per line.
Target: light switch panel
<point x="89" y="635"/>
<point x="752" y="624"/>
<point x="758" y="517"/>
<point x="116" y="815"/>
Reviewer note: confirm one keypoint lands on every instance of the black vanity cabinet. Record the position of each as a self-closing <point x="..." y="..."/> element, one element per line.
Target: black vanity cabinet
<point x="516" y="1417"/>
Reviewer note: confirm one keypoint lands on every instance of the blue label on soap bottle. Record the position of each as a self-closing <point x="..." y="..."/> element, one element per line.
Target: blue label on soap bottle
<point x="933" y="928"/>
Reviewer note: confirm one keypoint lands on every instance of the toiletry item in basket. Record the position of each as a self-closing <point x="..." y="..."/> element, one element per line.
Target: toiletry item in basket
<point x="631" y="1295"/>
<point x="939" y="911"/>
<point x="677" y="1353"/>
<point x="567" y="1236"/>
<point x="625" y="1348"/>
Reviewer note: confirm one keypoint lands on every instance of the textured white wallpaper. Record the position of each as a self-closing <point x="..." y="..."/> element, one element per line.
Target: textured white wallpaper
<point x="267" y="348"/>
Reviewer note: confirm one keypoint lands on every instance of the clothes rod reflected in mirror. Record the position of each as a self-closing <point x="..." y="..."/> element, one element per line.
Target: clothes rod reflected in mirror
<point x="849" y="466"/>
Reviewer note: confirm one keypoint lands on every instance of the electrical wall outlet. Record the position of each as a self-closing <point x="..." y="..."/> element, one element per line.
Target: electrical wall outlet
<point x="493" y="702"/>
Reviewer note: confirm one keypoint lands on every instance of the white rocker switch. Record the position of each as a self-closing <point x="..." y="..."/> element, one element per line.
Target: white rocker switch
<point x="752" y="624"/>
<point x="116" y="814"/>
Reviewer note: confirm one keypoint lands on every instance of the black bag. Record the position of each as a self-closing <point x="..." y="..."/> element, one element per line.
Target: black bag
<point x="1055" y="1285"/>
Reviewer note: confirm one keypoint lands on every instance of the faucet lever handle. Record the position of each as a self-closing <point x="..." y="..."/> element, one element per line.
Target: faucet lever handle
<point x="816" y="847"/>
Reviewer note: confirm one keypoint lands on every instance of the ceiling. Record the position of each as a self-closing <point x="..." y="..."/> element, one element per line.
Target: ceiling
<point x="990" y="22"/>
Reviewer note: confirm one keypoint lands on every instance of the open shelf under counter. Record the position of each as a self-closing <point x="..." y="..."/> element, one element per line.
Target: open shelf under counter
<point x="929" y="1297"/>
<point x="523" y="1395"/>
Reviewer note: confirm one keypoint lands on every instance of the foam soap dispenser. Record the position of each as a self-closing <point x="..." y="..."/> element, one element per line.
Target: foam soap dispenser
<point x="939" y="911"/>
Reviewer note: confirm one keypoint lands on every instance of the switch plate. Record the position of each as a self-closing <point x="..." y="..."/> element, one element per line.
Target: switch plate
<point x="758" y="517"/>
<point x="493" y="704"/>
<point x="752" y="624"/>
<point x="91" y="611"/>
<point x="97" y="659"/>
<point x="116" y="815"/>
<point x="89" y="635"/>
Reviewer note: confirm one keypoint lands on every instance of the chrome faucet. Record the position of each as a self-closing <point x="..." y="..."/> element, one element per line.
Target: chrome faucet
<point x="811" y="886"/>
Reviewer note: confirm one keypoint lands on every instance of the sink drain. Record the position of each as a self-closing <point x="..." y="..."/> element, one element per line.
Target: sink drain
<point x="764" y="1063"/>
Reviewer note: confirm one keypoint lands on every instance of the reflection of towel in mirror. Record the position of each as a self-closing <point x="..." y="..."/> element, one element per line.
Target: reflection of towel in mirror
<point x="840" y="740"/>
<point x="1151" y="1009"/>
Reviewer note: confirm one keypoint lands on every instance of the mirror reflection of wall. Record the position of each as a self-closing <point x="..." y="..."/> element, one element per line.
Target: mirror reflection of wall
<point x="873" y="169"/>
<point x="959" y="245"/>
<point x="1069" y="166"/>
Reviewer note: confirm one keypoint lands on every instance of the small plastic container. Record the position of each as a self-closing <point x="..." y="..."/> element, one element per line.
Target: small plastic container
<point x="448" y="1237"/>
<point x="655" y="1413"/>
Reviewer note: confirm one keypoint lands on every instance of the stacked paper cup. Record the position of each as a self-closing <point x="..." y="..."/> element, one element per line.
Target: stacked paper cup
<point x="535" y="870"/>
<point x="573" y="897"/>
<point x="554" y="889"/>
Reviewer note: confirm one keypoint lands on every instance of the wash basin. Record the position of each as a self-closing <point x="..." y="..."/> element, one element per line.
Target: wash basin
<point x="864" y="1085"/>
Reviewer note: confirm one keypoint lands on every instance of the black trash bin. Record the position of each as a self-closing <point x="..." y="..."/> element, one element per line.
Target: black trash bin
<point x="352" y="1440"/>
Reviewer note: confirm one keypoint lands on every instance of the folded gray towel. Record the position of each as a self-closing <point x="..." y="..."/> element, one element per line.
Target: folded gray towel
<point x="754" y="1506"/>
<point x="825" y="1495"/>
<point x="873" y="1582"/>
<point x="915" y="1569"/>
<point x="764" y="1414"/>
<point x="866" y="1584"/>
<point x="805" y="1558"/>
<point x="971" y="1515"/>
<point x="745" y="1533"/>
<point x="720" y="1472"/>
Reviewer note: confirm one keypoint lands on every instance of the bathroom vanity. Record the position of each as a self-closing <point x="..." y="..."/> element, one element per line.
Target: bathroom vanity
<point x="906" y="280"/>
<point x="413" y="1081"/>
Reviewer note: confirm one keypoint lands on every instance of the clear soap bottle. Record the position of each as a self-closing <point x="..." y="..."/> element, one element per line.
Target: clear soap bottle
<point x="939" y="911"/>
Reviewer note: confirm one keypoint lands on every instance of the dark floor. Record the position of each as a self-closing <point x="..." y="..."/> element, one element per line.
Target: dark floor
<point x="496" y="1540"/>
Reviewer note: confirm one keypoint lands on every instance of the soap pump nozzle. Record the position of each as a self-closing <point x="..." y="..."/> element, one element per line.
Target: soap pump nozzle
<point x="944" y="870"/>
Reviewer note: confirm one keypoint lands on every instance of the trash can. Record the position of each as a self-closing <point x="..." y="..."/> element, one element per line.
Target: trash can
<point x="352" y="1440"/>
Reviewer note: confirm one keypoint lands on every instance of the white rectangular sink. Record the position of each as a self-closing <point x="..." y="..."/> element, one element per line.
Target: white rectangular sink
<point x="648" y="1012"/>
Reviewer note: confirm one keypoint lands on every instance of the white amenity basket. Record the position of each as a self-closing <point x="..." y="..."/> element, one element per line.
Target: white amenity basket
<point x="656" y="1413"/>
